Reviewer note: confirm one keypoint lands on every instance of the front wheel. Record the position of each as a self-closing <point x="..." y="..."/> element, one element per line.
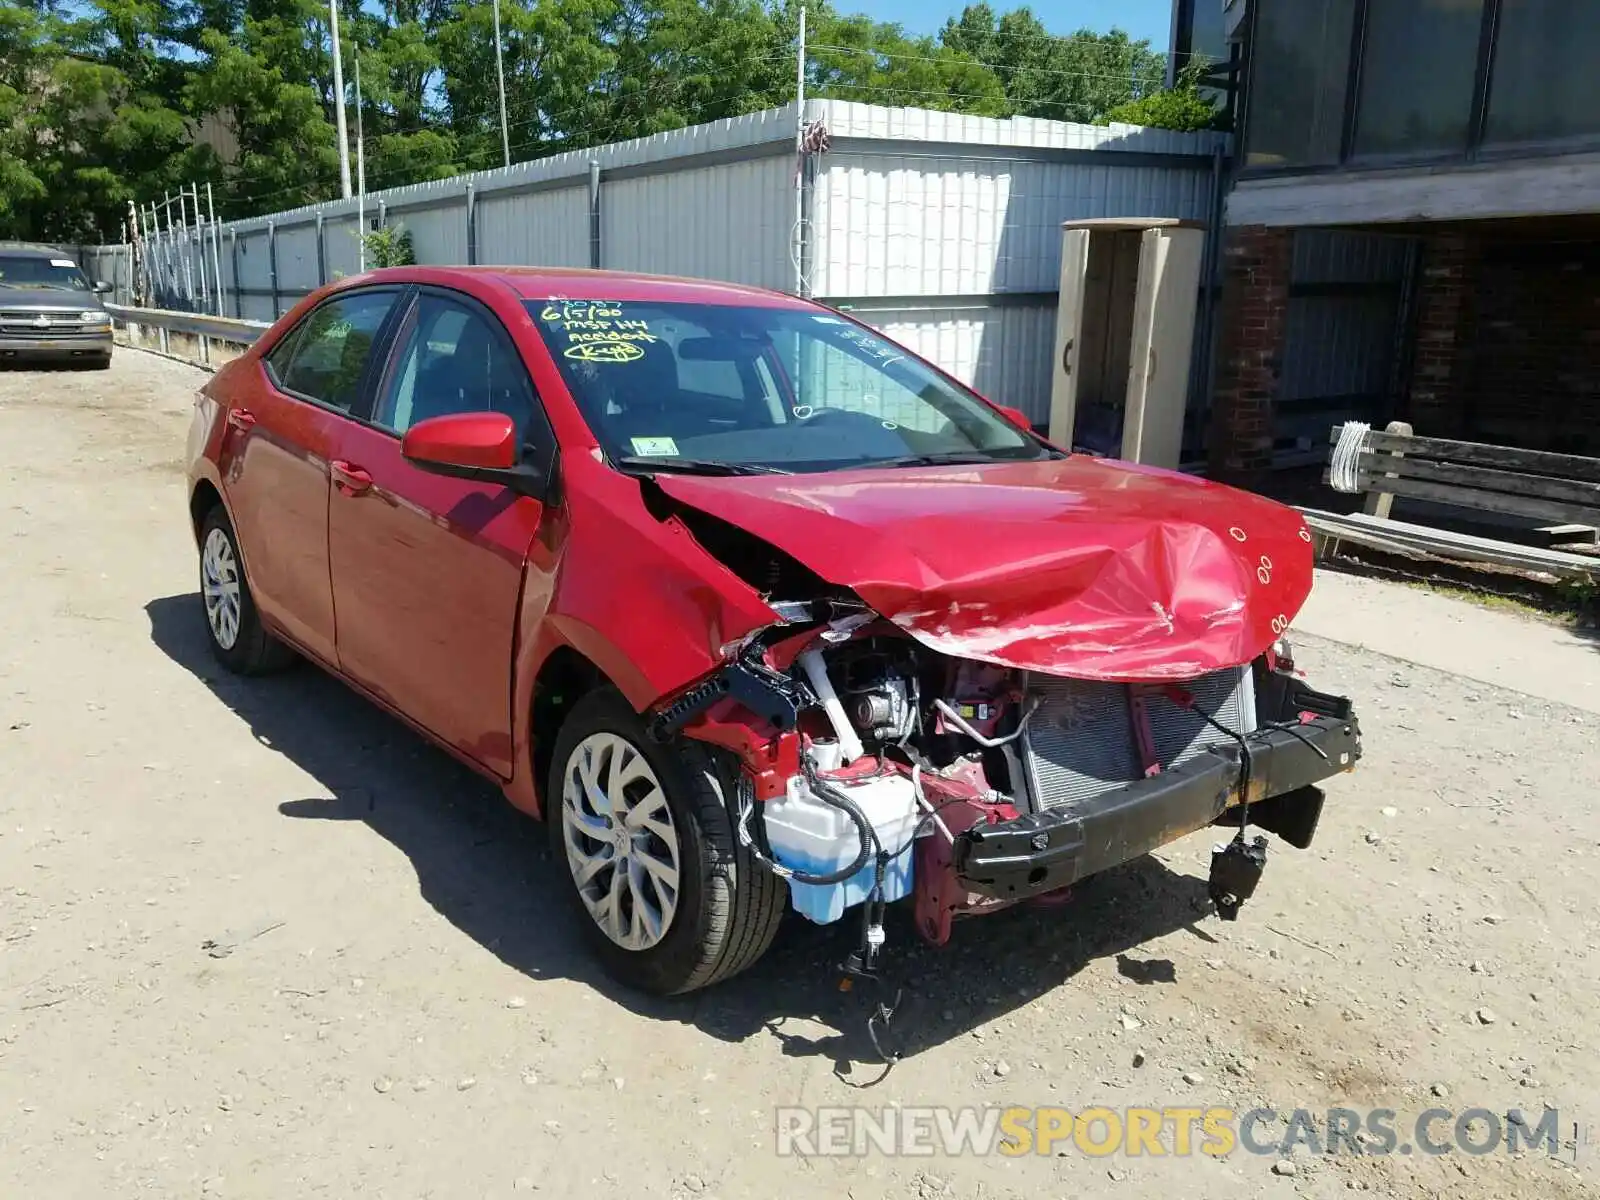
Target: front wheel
<point x="665" y="895"/>
<point x="238" y="639"/>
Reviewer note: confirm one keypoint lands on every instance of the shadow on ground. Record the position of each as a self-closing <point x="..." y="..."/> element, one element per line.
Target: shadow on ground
<point x="485" y="868"/>
<point x="48" y="365"/>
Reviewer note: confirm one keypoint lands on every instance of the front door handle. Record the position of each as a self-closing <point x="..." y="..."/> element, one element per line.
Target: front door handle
<point x="241" y="419"/>
<point x="349" y="478"/>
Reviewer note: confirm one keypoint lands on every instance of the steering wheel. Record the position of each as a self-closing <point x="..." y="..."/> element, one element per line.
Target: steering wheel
<point x="814" y="415"/>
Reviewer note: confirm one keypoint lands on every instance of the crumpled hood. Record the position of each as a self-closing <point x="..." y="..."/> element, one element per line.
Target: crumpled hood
<point x="1079" y="567"/>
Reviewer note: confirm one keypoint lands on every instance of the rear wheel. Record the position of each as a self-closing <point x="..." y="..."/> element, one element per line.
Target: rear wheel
<point x="238" y="639"/>
<point x="666" y="897"/>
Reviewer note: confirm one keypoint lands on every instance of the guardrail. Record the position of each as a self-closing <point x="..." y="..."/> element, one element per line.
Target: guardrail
<point x="192" y="337"/>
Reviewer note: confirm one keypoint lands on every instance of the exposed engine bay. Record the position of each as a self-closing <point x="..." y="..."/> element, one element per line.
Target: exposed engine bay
<point x="877" y="768"/>
<point x="978" y="723"/>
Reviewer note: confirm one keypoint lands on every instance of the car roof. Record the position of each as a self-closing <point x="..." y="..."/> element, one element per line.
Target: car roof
<point x="31" y="250"/>
<point x="571" y="283"/>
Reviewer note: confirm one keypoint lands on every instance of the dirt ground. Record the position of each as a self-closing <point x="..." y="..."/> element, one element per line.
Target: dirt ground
<point x="258" y="940"/>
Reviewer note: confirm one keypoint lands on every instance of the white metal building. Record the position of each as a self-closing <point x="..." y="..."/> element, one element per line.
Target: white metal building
<point x="939" y="228"/>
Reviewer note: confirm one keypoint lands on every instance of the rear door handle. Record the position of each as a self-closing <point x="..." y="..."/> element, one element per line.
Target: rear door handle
<point x="241" y="419"/>
<point x="349" y="478"/>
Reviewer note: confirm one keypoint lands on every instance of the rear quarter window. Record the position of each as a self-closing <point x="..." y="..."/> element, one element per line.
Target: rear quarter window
<point x="326" y="356"/>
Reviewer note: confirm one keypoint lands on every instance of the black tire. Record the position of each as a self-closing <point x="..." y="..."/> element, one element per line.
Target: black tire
<point x="102" y="363"/>
<point x="254" y="651"/>
<point x="728" y="907"/>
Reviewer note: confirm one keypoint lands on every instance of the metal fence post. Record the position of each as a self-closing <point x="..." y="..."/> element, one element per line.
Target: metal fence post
<point x="594" y="214"/>
<point x="272" y="266"/>
<point x="472" y="225"/>
<point x="322" y="253"/>
<point x="238" y="286"/>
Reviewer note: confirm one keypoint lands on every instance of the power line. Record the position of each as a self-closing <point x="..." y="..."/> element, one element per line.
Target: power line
<point x="593" y="136"/>
<point x="1088" y="38"/>
<point x="586" y="138"/>
<point x="998" y="68"/>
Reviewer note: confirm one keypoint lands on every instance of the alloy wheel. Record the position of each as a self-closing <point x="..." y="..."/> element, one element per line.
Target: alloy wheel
<point x="622" y="844"/>
<point x="220" y="584"/>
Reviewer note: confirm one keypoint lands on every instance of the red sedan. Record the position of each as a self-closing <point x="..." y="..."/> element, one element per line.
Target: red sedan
<point x="755" y="606"/>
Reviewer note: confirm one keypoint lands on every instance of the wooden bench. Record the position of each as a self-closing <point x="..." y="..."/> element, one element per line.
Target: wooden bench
<point x="1561" y="491"/>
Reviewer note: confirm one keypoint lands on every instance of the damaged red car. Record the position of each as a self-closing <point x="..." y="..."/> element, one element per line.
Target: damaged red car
<point x="755" y="607"/>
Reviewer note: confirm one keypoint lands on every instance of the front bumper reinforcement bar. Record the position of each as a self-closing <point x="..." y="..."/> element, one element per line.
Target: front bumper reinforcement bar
<point x="1043" y="851"/>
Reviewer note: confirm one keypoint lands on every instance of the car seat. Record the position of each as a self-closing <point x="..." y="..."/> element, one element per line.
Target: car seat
<point x="643" y="395"/>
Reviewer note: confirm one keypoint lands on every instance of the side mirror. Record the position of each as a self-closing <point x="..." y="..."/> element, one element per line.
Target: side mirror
<point x="1016" y="416"/>
<point x="480" y="446"/>
<point x="103" y="288"/>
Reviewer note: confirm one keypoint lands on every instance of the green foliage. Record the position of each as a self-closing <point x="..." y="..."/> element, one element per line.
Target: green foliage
<point x="107" y="101"/>
<point x="1582" y="596"/>
<point x="1182" y="106"/>
<point x="389" y="246"/>
<point x="1076" y="78"/>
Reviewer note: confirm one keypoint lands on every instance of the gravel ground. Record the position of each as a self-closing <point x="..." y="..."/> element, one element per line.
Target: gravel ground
<point x="256" y="939"/>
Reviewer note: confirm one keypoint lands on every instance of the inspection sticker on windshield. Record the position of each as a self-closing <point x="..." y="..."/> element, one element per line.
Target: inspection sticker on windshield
<point x="62" y="262"/>
<point x="655" y="447"/>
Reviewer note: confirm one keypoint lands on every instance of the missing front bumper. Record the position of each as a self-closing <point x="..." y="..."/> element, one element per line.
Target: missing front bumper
<point x="1043" y="851"/>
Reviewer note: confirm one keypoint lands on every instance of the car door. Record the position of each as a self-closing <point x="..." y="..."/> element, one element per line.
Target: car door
<point x="283" y="427"/>
<point x="428" y="570"/>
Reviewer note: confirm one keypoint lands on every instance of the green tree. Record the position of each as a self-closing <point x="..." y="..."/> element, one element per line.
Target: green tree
<point x="1077" y="78"/>
<point x="389" y="247"/>
<point x="27" y="53"/>
<point x="286" y="151"/>
<point x="856" y="58"/>
<point x="1183" y="106"/>
<point x="86" y="117"/>
<point x="103" y="101"/>
<point x="553" y="59"/>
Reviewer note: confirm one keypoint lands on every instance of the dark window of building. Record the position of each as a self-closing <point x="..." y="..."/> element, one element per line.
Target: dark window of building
<point x="1199" y="32"/>
<point x="1299" y="75"/>
<point x="1418" y="66"/>
<point x="1546" y="83"/>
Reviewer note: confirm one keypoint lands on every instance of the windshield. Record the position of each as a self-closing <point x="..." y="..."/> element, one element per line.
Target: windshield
<point x="28" y="271"/>
<point x="716" y="387"/>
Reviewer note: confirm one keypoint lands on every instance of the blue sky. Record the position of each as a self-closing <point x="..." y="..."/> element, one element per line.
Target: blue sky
<point x="1141" y="18"/>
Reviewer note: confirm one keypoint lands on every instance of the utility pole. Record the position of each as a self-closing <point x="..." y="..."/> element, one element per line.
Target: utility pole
<point x="216" y="245"/>
<point x="800" y="158"/>
<point x="361" y="179"/>
<point x="338" y="102"/>
<point x="500" y="75"/>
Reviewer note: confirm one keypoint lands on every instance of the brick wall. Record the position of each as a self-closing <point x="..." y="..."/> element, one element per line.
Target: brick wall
<point x="1530" y="373"/>
<point x="1506" y="347"/>
<point x="1255" y="298"/>
<point x="1441" y="362"/>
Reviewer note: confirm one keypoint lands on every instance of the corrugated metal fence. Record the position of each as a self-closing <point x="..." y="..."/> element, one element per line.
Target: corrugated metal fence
<point x="942" y="229"/>
<point x="1344" y="337"/>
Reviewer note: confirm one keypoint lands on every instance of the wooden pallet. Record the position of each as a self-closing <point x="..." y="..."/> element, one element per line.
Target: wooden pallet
<point x="1423" y="541"/>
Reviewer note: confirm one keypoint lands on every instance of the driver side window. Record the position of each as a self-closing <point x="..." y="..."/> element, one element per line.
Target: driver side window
<point x="454" y="359"/>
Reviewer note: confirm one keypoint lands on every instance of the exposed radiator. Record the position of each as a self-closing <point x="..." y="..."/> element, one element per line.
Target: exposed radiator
<point x="1081" y="740"/>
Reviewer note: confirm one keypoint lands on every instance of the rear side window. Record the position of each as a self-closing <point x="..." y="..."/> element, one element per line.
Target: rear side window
<point x="325" y="357"/>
